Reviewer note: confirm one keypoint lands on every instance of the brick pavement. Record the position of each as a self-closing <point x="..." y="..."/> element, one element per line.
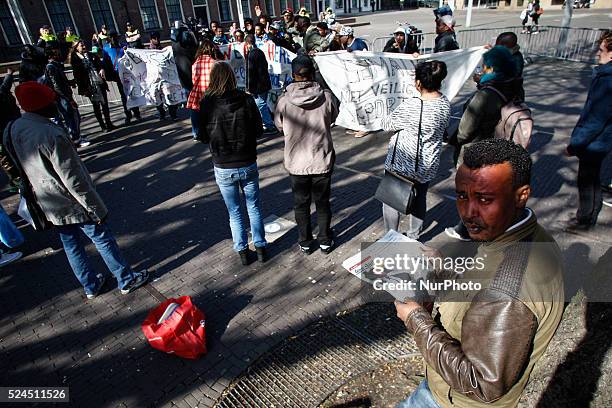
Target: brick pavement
<point x="169" y="217"/>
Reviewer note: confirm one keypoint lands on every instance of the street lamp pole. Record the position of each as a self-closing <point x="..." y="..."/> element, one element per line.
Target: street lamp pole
<point x="240" y="13"/>
<point x="468" y="17"/>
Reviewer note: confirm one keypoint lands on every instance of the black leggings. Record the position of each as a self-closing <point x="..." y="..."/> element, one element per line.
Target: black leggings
<point x="101" y="111"/>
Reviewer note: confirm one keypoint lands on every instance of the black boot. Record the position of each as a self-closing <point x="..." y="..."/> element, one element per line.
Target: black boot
<point x="244" y="256"/>
<point x="262" y="254"/>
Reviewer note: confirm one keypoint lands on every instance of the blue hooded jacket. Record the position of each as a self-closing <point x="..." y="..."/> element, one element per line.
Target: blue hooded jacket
<point x="593" y="132"/>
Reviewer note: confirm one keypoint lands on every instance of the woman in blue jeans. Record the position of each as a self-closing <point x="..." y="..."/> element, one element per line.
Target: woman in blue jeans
<point x="230" y="123"/>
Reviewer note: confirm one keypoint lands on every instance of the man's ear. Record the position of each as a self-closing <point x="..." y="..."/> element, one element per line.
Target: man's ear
<point x="521" y="196"/>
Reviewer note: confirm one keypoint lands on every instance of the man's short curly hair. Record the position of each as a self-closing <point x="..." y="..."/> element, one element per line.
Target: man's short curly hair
<point x="606" y="38"/>
<point x="490" y="152"/>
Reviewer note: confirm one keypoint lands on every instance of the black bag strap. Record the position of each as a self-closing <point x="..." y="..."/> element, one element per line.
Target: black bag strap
<point x="10" y="148"/>
<point x="418" y="152"/>
<point x="8" y="143"/>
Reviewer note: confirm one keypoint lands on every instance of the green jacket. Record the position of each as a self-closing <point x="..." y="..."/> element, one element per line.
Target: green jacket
<point x="483" y="344"/>
<point x="313" y="40"/>
<point x="482" y="112"/>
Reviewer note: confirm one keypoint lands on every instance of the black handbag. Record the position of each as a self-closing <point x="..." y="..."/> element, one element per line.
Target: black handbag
<point x="396" y="190"/>
<point x="39" y="220"/>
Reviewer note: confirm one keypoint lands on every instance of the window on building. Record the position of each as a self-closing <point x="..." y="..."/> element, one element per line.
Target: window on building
<point x="200" y="9"/>
<point x="148" y="11"/>
<point x="9" y="27"/>
<point x="224" y="10"/>
<point x="292" y="4"/>
<point x="102" y="14"/>
<point x="59" y="14"/>
<point x="270" y="7"/>
<point x="173" y="9"/>
<point x="246" y="8"/>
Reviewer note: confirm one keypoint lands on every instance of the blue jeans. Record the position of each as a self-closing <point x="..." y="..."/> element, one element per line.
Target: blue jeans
<point x="261" y="100"/>
<point x="420" y="398"/>
<point x="230" y="182"/>
<point x="107" y="247"/>
<point x="195" y="122"/>
<point x="70" y="118"/>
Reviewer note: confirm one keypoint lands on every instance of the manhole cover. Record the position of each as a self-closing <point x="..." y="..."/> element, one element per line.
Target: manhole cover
<point x="304" y="369"/>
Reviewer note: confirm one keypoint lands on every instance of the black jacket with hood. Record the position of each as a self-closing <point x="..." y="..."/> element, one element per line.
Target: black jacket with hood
<point x="257" y="78"/>
<point x="230" y="124"/>
<point x="184" y="48"/>
<point x="33" y="62"/>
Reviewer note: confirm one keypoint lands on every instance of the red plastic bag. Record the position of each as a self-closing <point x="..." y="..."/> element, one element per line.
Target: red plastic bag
<point x="181" y="333"/>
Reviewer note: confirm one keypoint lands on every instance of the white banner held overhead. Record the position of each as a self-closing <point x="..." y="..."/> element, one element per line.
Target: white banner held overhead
<point x="370" y="85"/>
<point x="279" y="66"/>
<point x="149" y="77"/>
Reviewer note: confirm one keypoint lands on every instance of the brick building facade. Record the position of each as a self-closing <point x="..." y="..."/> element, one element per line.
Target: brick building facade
<point x="20" y="20"/>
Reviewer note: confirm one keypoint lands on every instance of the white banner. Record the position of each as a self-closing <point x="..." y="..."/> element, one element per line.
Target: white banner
<point x="370" y="85"/>
<point x="279" y="66"/>
<point x="149" y="77"/>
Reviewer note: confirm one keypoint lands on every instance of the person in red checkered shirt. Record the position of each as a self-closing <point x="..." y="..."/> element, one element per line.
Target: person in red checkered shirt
<point x="200" y="75"/>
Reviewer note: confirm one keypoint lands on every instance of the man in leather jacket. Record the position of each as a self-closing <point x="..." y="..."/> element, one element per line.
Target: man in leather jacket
<point x="446" y="39"/>
<point x="481" y="348"/>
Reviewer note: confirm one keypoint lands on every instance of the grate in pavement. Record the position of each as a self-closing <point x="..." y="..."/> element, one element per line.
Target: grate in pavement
<point x="303" y="369"/>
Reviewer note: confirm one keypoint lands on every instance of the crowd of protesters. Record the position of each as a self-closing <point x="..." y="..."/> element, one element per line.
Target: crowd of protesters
<point x="39" y="153"/>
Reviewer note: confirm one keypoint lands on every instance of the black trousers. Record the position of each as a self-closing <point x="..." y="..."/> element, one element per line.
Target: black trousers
<point x="102" y="112"/>
<point x="306" y="189"/>
<point x="172" y="109"/>
<point x="589" y="188"/>
<point x="127" y="112"/>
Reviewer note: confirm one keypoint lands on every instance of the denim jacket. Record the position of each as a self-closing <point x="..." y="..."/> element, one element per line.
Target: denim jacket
<point x="60" y="181"/>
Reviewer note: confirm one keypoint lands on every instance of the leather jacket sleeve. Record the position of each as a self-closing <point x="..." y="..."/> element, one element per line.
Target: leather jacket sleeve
<point x="496" y="339"/>
<point x="58" y="82"/>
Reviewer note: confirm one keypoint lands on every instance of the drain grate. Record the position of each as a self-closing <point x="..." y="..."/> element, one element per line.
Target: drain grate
<point x="304" y="369"/>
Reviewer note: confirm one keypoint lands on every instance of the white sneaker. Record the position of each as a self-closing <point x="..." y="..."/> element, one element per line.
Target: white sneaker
<point x="83" y="142"/>
<point x="450" y="231"/>
<point x="140" y="278"/>
<point x="607" y="203"/>
<point x="8" y="257"/>
<point x="101" y="280"/>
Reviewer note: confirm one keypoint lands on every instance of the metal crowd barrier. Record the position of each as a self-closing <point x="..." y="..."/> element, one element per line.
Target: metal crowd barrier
<point x="579" y="44"/>
<point x="425" y="40"/>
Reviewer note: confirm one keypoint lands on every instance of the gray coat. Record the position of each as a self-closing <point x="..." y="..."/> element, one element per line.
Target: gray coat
<point x="304" y="113"/>
<point x="62" y="185"/>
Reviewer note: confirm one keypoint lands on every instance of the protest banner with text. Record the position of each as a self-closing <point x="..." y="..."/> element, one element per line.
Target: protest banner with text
<point x="279" y="66"/>
<point x="149" y="77"/>
<point x="370" y="85"/>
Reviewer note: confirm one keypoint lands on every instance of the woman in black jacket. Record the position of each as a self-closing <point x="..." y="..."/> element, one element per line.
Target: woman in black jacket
<point x="230" y="123"/>
<point x="87" y="69"/>
<point x="258" y="81"/>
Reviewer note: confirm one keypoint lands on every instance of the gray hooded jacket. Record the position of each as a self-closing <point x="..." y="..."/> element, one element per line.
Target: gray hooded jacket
<point x="304" y="113"/>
